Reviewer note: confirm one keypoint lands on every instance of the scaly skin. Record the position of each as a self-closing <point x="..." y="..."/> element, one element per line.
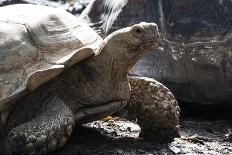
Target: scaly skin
<point x="45" y="133"/>
<point x="155" y="109"/>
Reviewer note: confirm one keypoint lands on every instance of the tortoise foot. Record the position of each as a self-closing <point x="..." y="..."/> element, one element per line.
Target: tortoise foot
<point x="45" y="133"/>
<point x="155" y="109"/>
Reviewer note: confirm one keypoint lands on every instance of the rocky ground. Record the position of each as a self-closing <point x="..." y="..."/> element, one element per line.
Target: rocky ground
<point x="120" y="137"/>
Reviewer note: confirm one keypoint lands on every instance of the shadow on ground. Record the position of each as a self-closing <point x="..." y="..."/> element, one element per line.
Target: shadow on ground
<point x="108" y="138"/>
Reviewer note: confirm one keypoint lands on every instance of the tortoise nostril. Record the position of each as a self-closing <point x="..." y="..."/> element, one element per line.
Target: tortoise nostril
<point x="155" y="27"/>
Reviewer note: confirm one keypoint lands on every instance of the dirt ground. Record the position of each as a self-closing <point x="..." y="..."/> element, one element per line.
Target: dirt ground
<point x="120" y="137"/>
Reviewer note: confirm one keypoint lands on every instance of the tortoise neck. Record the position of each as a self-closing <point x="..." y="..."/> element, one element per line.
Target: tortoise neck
<point x="106" y="65"/>
<point x="103" y="79"/>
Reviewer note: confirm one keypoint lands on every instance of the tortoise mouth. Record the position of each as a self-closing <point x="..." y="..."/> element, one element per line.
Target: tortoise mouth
<point x="148" y="45"/>
<point x="88" y="114"/>
<point x="152" y="41"/>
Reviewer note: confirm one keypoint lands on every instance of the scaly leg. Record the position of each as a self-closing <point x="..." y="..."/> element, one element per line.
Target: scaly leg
<point x="44" y="133"/>
<point x="155" y="109"/>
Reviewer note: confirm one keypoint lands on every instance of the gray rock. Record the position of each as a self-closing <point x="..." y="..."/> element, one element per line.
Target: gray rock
<point x="195" y="61"/>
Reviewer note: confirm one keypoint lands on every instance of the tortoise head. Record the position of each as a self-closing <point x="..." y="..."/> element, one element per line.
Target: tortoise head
<point x="128" y="45"/>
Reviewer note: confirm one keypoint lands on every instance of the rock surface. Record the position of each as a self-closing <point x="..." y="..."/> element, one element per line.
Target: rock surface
<point x="195" y="58"/>
<point x="119" y="137"/>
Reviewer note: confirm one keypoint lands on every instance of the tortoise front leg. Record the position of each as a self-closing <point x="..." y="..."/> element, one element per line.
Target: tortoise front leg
<point x="44" y="133"/>
<point x="155" y="109"/>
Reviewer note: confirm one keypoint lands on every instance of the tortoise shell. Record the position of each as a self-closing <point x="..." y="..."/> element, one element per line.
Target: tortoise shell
<point x="36" y="44"/>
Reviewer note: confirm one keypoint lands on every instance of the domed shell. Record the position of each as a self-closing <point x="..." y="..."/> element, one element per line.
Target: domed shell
<point x="36" y="44"/>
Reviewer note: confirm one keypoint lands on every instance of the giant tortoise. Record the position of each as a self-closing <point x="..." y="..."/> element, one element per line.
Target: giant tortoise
<point x="55" y="71"/>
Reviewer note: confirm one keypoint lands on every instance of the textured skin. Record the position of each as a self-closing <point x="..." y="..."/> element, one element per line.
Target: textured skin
<point x="45" y="133"/>
<point x="155" y="109"/>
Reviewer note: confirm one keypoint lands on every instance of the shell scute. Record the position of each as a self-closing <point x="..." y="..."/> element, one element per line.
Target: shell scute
<point x="35" y="50"/>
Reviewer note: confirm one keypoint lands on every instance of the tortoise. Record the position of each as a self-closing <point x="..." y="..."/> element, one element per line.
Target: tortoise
<point x="55" y="71"/>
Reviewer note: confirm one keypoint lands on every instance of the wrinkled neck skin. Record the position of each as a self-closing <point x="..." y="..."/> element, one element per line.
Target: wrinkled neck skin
<point x="105" y="80"/>
<point x="104" y="77"/>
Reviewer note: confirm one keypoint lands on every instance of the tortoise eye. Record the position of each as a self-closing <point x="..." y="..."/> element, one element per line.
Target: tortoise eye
<point x="138" y="31"/>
